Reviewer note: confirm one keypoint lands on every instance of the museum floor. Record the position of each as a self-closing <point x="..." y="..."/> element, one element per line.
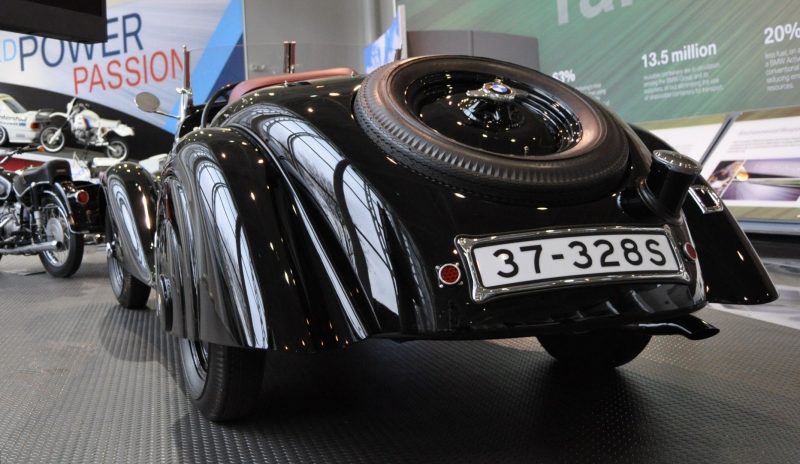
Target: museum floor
<point x="83" y="380"/>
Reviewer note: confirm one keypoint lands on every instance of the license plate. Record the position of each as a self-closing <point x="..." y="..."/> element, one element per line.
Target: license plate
<point x="568" y="257"/>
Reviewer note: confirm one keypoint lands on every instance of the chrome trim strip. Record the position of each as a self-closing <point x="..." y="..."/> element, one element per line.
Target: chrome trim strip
<point x="479" y="293"/>
<point x="694" y="192"/>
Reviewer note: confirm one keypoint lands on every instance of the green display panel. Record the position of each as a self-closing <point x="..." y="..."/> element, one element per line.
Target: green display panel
<point x="648" y="60"/>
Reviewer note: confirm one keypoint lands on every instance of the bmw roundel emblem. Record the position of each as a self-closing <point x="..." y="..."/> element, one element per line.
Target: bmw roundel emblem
<point x="499" y="88"/>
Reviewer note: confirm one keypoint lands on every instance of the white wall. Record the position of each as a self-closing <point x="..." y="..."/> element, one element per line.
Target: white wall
<point x="329" y="33"/>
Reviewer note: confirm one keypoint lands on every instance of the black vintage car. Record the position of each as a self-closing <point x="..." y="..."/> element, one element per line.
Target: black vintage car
<point x="440" y="197"/>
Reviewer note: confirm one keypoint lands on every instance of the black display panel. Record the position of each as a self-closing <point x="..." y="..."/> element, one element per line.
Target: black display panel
<point x="76" y="20"/>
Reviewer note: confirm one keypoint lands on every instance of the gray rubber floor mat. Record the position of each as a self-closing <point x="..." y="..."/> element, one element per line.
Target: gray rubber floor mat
<point x="83" y="380"/>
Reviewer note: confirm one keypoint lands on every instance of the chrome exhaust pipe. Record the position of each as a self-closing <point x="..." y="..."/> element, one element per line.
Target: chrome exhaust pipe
<point x="31" y="249"/>
<point x="690" y="327"/>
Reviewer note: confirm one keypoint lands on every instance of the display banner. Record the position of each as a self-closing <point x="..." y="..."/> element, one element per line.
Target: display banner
<point x="756" y="164"/>
<point x="690" y="136"/>
<point x="648" y="60"/>
<point x="143" y="53"/>
<point x="383" y="50"/>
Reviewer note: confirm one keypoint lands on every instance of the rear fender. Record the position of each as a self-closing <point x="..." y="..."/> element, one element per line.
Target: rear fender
<point x="732" y="271"/>
<point x="131" y="195"/>
<point x="238" y="263"/>
<point x="88" y="218"/>
<point x="123" y="130"/>
<point x="58" y="117"/>
<point x="64" y="190"/>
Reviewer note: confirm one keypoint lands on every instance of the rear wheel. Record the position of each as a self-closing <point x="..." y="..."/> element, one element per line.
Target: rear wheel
<point x="3" y="136"/>
<point x="66" y="259"/>
<point x="223" y="382"/>
<point x="117" y="148"/>
<point x="595" y="350"/>
<point x="130" y="292"/>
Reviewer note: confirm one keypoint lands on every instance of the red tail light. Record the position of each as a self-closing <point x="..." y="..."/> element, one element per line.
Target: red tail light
<point x="35" y="125"/>
<point x="82" y="196"/>
<point x="449" y="274"/>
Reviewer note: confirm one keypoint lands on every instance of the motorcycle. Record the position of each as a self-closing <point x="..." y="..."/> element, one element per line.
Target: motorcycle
<point x="88" y="129"/>
<point x="44" y="211"/>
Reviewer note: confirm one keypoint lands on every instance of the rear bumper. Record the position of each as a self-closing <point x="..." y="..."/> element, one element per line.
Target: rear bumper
<point x="572" y="311"/>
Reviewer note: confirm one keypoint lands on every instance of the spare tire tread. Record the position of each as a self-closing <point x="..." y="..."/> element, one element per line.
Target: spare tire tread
<point x="394" y="129"/>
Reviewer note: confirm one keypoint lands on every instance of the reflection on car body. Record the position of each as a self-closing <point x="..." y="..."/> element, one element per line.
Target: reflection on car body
<point x="321" y="211"/>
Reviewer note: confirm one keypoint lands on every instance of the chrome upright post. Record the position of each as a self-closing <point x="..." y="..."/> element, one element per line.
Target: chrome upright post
<point x="289" y="56"/>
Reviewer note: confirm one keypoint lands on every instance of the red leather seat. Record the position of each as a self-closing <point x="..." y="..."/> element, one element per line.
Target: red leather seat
<point x="260" y="82"/>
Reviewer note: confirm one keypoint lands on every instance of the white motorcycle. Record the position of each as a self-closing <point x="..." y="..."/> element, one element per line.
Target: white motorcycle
<point x="88" y="129"/>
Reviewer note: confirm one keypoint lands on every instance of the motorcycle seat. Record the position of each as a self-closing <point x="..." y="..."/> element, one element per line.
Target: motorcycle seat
<point x="50" y="171"/>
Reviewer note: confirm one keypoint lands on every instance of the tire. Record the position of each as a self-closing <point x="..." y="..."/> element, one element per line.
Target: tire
<point x="223" y="382"/>
<point x="130" y="292"/>
<point x="56" y="144"/>
<point x="595" y="350"/>
<point x="3" y="136"/>
<point x="65" y="261"/>
<point x="590" y="167"/>
<point x="117" y="148"/>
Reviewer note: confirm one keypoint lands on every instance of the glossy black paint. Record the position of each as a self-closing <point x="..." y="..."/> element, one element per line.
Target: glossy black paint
<point x="234" y="264"/>
<point x="284" y="227"/>
<point x="88" y="218"/>
<point x="384" y="229"/>
<point x="445" y="103"/>
<point x="131" y="194"/>
<point x="732" y="271"/>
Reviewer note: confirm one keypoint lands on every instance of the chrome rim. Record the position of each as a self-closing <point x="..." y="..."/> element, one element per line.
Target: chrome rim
<point x="56" y="228"/>
<point x="114" y="267"/>
<point x="51" y="139"/>
<point x="3" y="136"/>
<point x="117" y="150"/>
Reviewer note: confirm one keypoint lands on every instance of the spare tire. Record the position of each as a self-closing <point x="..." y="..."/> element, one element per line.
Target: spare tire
<point x="492" y="128"/>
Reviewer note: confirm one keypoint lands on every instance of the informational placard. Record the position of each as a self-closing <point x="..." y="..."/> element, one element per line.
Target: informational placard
<point x="648" y="60"/>
<point x="756" y="164"/>
<point x="689" y="136"/>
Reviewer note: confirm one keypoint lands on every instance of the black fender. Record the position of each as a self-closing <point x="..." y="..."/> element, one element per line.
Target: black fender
<point x="732" y="271"/>
<point x="88" y="218"/>
<point x="361" y="236"/>
<point x="131" y="195"/>
<point x="240" y="260"/>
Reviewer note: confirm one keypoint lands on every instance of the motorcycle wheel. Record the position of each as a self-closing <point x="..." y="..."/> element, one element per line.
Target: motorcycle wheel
<point x="3" y="136"/>
<point x="129" y="291"/>
<point x="604" y="349"/>
<point x="66" y="260"/>
<point x="223" y="382"/>
<point x="117" y="148"/>
<point x="50" y="141"/>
